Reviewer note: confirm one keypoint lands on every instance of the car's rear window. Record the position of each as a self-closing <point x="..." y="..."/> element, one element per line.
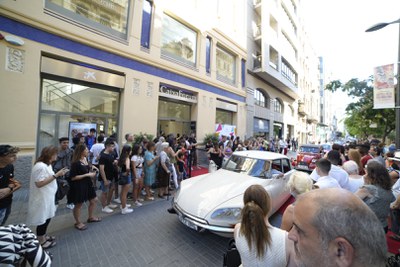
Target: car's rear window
<point x="309" y="149"/>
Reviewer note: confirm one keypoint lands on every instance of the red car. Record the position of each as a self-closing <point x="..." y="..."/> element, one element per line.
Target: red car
<point x="307" y="156"/>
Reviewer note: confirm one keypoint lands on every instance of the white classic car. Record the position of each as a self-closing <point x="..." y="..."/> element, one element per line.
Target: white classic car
<point x="214" y="201"/>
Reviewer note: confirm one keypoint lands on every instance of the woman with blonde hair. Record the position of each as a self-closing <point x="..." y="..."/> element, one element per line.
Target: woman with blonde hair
<point x="299" y="183"/>
<point x="258" y="242"/>
<point x="355" y="155"/>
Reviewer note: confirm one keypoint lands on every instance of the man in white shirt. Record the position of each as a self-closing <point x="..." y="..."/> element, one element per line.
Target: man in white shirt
<point x="325" y="181"/>
<point x="96" y="149"/>
<point x="336" y="172"/>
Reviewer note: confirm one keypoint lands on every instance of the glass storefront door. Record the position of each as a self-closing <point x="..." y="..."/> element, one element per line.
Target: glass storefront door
<point x="64" y="103"/>
<point x="173" y="117"/>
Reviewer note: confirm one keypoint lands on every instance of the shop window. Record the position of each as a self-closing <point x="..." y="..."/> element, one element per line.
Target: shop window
<point x="68" y="97"/>
<point x="224" y="117"/>
<point x="110" y="17"/>
<point x="178" y="41"/>
<point x="146" y="24"/>
<point x="208" y="54"/>
<point x="226" y="66"/>
<point x="173" y="110"/>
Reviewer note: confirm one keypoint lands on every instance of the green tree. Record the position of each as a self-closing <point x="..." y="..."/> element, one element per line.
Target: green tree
<point x="360" y="113"/>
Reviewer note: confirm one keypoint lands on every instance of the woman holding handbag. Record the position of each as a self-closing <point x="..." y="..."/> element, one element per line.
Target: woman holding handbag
<point x="125" y="179"/>
<point x="42" y="192"/>
<point x="81" y="186"/>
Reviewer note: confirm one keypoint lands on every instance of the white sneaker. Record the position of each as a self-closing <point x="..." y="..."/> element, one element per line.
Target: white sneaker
<point x="117" y="200"/>
<point x="138" y="204"/>
<point x="112" y="206"/>
<point x="140" y="199"/>
<point x="126" y="206"/>
<point x="70" y="206"/>
<point x="126" y="210"/>
<point x="106" y="209"/>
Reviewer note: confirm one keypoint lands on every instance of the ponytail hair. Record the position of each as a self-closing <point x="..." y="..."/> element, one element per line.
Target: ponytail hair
<point x="257" y="204"/>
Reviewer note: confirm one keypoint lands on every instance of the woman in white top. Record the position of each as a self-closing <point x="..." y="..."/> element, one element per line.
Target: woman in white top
<point x="137" y="173"/>
<point x="258" y="242"/>
<point x="355" y="180"/>
<point x="299" y="183"/>
<point x="43" y="187"/>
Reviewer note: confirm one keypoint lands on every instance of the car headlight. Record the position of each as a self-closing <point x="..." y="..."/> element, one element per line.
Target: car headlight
<point x="229" y="215"/>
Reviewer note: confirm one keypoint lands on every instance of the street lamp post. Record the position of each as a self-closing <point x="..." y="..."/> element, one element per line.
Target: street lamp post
<point x="377" y="27"/>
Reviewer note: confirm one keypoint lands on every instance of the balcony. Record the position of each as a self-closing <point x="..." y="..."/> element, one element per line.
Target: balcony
<point x="257" y="6"/>
<point x="312" y="119"/>
<point x="302" y="112"/>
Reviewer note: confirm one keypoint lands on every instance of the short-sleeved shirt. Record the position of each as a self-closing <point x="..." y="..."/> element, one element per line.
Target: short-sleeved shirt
<point x="96" y="150"/>
<point x="327" y="182"/>
<point x="6" y="174"/>
<point x="138" y="161"/>
<point x="64" y="158"/>
<point x="108" y="161"/>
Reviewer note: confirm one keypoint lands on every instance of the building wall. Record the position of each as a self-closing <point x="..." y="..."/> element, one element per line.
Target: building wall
<point x="44" y="33"/>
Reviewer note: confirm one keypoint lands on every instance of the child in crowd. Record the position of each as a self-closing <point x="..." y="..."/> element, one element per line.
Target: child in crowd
<point x="181" y="167"/>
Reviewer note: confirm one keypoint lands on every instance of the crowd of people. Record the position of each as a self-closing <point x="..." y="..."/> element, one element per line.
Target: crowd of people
<point x="359" y="180"/>
<point x="340" y="215"/>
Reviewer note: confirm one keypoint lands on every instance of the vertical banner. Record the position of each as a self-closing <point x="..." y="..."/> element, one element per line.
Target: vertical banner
<point x="384" y="87"/>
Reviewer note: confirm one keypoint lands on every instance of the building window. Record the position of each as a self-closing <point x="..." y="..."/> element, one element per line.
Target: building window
<point x="243" y="73"/>
<point x="278" y="106"/>
<point x="208" y="54"/>
<point x="110" y="17"/>
<point x="224" y="117"/>
<point x="226" y="66"/>
<point x="146" y="24"/>
<point x="288" y="72"/>
<point x="261" y="99"/>
<point x="178" y="41"/>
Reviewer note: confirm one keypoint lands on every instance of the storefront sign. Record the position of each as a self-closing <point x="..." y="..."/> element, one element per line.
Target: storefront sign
<point x="178" y="94"/>
<point x="226" y="106"/>
<point x="74" y="71"/>
<point x="225" y="129"/>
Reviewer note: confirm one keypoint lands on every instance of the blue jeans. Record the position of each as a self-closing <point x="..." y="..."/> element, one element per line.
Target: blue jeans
<point x="4" y="213"/>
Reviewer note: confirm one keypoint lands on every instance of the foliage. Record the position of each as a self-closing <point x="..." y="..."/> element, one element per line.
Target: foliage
<point x="138" y="138"/>
<point x="360" y="112"/>
<point x="212" y="136"/>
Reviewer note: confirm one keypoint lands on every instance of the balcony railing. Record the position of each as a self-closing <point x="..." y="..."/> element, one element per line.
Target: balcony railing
<point x="257" y="63"/>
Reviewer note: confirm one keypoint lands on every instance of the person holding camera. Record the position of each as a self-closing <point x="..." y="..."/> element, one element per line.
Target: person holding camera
<point x="82" y="190"/>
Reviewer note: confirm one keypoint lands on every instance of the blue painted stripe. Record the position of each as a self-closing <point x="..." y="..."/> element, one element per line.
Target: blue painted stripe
<point x="40" y="36"/>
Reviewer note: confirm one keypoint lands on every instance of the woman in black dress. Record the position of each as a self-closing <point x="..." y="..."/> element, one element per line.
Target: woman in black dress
<point x="81" y="186"/>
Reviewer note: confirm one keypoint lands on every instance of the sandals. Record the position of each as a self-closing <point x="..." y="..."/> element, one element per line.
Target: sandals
<point x="83" y="227"/>
<point x="94" y="220"/>
<point x="50" y="238"/>
<point x="48" y="244"/>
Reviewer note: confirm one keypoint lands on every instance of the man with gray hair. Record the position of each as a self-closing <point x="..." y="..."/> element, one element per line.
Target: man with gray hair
<point x="333" y="227"/>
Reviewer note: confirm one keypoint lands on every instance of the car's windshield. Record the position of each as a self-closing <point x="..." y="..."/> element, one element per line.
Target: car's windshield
<point x="326" y="147"/>
<point x="249" y="166"/>
<point x="309" y="149"/>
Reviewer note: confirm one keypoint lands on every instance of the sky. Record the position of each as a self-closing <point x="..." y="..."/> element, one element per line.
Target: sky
<point x="336" y="29"/>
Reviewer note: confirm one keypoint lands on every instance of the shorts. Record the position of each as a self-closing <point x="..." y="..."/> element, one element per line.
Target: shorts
<point x="4" y="213"/>
<point x="104" y="188"/>
<point x="139" y="172"/>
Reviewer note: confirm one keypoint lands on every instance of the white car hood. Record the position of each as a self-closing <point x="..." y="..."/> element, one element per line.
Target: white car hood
<point x="200" y="195"/>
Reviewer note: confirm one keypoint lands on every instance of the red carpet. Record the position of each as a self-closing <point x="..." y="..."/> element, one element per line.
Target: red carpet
<point x="200" y="171"/>
<point x="393" y="245"/>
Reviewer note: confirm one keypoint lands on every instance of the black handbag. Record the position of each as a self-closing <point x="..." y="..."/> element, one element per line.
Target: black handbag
<point x="232" y="256"/>
<point x="62" y="188"/>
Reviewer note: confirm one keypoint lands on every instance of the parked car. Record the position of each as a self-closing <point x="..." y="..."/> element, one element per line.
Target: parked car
<point x="307" y="156"/>
<point x="214" y="201"/>
<point x="326" y="148"/>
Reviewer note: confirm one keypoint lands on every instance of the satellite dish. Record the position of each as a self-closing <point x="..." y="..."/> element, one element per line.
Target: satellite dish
<point x="14" y="40"/>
